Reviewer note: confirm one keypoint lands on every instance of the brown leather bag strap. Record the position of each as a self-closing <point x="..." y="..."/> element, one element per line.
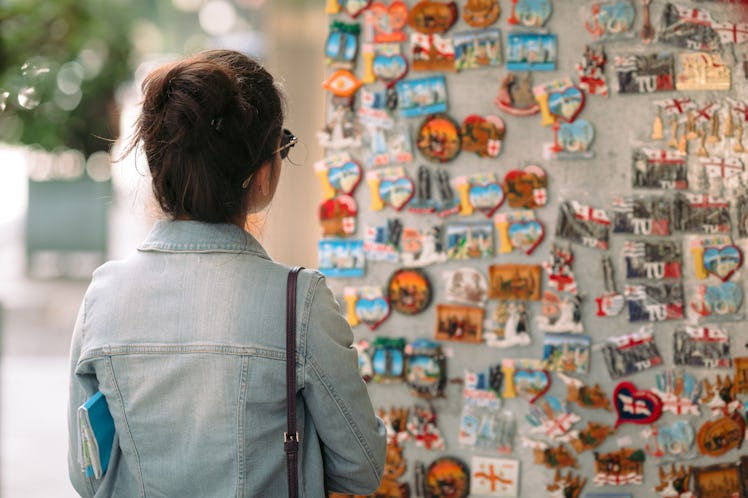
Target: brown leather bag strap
<point x="291" y="436"/>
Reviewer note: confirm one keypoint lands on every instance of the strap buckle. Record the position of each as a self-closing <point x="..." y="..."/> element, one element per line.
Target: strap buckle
<point x="288" y="438"/>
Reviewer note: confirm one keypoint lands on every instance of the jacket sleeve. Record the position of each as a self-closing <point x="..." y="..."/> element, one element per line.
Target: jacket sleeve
<point x="353" y="437"/>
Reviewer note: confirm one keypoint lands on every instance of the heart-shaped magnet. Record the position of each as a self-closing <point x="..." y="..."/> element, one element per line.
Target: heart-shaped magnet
<point x="526" y="235"/>
<point x="723" y="299"/>
<point x="634" y="406"/>
<point x="345" y="178"/>
<point x="723" y="261"/>
<point x="389" y="21"/>
<point x="390" y="68"/>
<point x="526" y="188"/>
<point x="566" y="104"/>
<point x="576" y="136"/>
<point x="531" y="384"/>
<point x="397" y="192"/>
<point x="353" y="7"/>
<point x="486" y="197"/>
<point x="373" y="311"/>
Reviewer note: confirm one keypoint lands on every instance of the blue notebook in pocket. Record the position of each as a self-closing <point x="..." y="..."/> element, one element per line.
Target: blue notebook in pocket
<point x="96" y="435"/>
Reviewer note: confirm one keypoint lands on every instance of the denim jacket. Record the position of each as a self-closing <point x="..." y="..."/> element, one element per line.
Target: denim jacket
<point x="186" y="340"/>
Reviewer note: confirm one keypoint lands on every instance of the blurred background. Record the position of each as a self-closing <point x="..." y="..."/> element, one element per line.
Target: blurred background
<point x="70" y="72"/>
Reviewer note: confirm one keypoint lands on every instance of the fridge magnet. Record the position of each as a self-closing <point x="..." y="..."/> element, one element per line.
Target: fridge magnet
<point x="647" y="32"/>
<point x="634" y="406"/>
<point x="558" y="268"/>
<point x="432" y="17"/>
<point x="409" y="291"/>
<point x="723" y="261"/>
<point x="696" y="29"/>
<point x="558" y="87"/>
<point x="590" y="437"/>
<point x="366" y="305"/>
<point x="423" y="429"/>
<point x="342" y="83"/>
<point x="670" y="443"/>
<point x="660" y="169"/>
<point x="482" y="135"/>
<point x="341" y="46"/>
<point x="481" y="13"/>
<point x="432" y="52"/>
<point x="389" y="64"/>
<point x="679" y="392"/>
<point x="353" y="7"/>
<point x="394" y="468"/>
<point x="387" y="145"/>
<point x="469" y="240"/>
<point x="481" y="192"/>
<point x="571" y="141"/>
<point x="439" y="138"/>
<point x="338" y="174"/>
<point x="422" y="248"/>
<point x="448" y="204"/>
<point x="561" y="314"/>
<point x="566" y="104"/>
<point x="478" y="48"/>
<point x="567" y="353"/>
<point x="706" y="347"/>
<point x="641" y="215"/>
<point x="583" y="225"/>
<point x="530" y="384"/>
<point x="741" y="375"/>
<point x="721" y="396"/>
<point x="566" y="486"/>
<point x="526" y="188"/>
<point x="631" y="353"/>
<point x="611" y="302"/>
<point x="426" y="368"/>
<point x="719" y="170"/>
<point x="591" y="71"/>
<point x="494" y="477"/>
<point x="530" y="13"/>
<point x="337" y="216"/>
<point x="515" y="95"/>
<point x="389" y="187"/>
<point x="388" y="359"/>
<point x="455" y="322"/>
<point x="343" y="130"/>
<point x="703" y="71"/>
<point x="466" y="285"/>
<point x="510" y="366"/>
<point x="675" y="483"/>
<point x="422" y="201"/>
<point x="619" y="468"/>
<point x="422" y="96"/>
<point x="609" y="20"/>
<point x="531" y="52"/>
<point x="583" y="395"/>
<point x="652" y="259"/>
<point x="341" y="258"/>
<point x="518" y="230"/>
<point x="382" y="243"/>
<point x="645" y="73"/>
<point x="552" y="457"/>
<point x="512" y="330"/>
<point x="718" y="436"/>
<point x="514" y="282"/>
<point x="701" y="213"/>
<point x="719" y="480"/>
<point x="447" y="477"/>
<point x="551" y="417"/>
<point x="482" y="424"/>
<point x="654" y="302"/>
<point x="387" y="22"/>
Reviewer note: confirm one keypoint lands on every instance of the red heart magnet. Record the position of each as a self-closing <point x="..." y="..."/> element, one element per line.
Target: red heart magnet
<point x="634" y="406"/>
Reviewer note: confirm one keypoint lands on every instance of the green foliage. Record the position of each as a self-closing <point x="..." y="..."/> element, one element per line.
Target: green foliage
<point x="60" y="65"/>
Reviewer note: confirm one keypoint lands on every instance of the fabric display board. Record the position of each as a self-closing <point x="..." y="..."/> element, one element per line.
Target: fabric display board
<point x="534" y="214"/>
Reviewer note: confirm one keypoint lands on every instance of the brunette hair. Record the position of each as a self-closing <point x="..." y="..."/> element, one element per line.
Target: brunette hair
<point x="208" y="122"/>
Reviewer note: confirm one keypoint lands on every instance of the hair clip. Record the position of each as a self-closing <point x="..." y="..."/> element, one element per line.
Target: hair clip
<point x="216" y="123"/>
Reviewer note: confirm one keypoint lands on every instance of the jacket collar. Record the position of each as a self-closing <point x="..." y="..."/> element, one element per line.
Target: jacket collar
<point x="197" y="236"/>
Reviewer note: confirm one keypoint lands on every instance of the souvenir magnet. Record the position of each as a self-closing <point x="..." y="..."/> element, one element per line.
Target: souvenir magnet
<point x="531" y="52"/>
<point x="568" y="107"/>
<point x="341" y="46"/>
<point x="634" y="406"/>
<point x="342" y="83"/>
<point x="652" y="259"/>
<point x="342" y="131"/>
<point x="566" y="486"/>
<point x="482" y="424"/>
<point x="675" y="483"/>
<point x="530" y="13"/>
<point x="366" y="305"/>
<point x="611" y="302"/>
<point x="558" y="268"/>
<point x="707" y="347"/>
<point x="515" y="95"/>
<point x="561" y="314"/>
<point x="338" y="216"/>
<point x="422" y="248"/>
<point x="530" y="383"/>
<point x="341" y="258"/>
<point x="469" y="240"/>
<point x="394" y="469"/>
<point x="552" y="457"/>
<point x="654" y="302"/>
<point x="571" y="141"/>
<point x="703" y="71"/>
<point x="741" y="375"/>
<point x="338" y="174"/>
<point x="510" y="366"/>
<point x="719" y="480"/>
<point x="353" y="7"/>
<point x="568" y="353"/>
<point x="642" y="215"/>
<point x="660" y="169"/>
<point x="466" y="285"/>
<point x="432" y="17"/>
<point x="387" y="21"/>
<point x="583" y="395"/>
<point x="423" y="428"/>
<point x="619" y="468"/>
<point x="720" y="397"/>
<point x="422" y="96"/>
<point x="679" y="392"/>
<point x="389" y="187"/>
<point x="631" y="353"/>
<point x="479" y="48"/>
<point x="518" y="230"/>
<point x="647" y="32"/>
<point x="514" y="331"/>
<point x="514" y="282"/>
<point x="389" y="65"/>
<point x="670" y="442"/>
<point x="609" y="20"/>
<point x="387" y="145"/>
<point x="701" y="213"/>
<point x="718" y="436"/>
<point x="447" y="477"/>
<point x="645" y="73"/>
<point x="551" y="417"/>
<point x="409" y="291"/>
<point x="388" y="359"/>
<point x="426" y="368"/>
<point x="583" y="224"/>
<point x="422" y="202"/>
<point x="723" y="261"/>
<point x="696" y="29"/>
<point x="590" y="437"/>
<point x="439" y="138"/>
<point x="455" y="322"/>
<point x="432" y="52"/>
<point x="482" y="135"/>
<point x="494" y="477"/>
<point x="526" y="188"/>
<point x="591" y="71"/>
<point x="480" y="191"/>
<point x="721" y="171"/>
<point x="481" y="13"/>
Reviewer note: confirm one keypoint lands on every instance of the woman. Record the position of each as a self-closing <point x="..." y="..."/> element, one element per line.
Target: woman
<point x="186" y="337"/>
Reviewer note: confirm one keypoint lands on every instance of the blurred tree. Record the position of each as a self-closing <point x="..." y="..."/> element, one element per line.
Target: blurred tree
<point x="60" y="65"/>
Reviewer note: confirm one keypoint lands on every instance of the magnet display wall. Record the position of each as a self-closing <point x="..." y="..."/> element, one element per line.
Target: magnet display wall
<point x="534" y="215"/>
